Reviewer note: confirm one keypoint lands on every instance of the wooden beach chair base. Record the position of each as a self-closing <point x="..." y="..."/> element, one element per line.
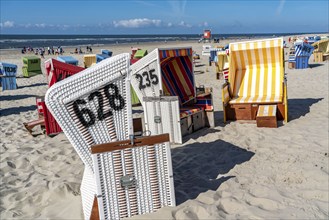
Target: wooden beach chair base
<point x="249" y="111"/>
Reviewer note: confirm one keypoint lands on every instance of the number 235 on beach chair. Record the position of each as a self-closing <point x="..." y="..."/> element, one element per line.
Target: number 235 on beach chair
<point x="123" y="176"/>
<point x="256" y="80"/>
<point x="164" y="81"/>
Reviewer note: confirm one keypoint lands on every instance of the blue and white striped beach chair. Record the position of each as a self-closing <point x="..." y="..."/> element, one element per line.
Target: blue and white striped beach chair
<point x="303" y="51"/>
<point x="8" y="76"/>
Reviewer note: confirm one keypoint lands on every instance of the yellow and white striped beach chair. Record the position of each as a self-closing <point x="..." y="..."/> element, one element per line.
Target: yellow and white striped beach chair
<point x="256" y="78"/>
<point x="321" y="51"/>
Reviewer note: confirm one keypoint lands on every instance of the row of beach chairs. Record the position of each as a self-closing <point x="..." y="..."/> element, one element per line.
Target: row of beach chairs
<point x="126" y="174"/>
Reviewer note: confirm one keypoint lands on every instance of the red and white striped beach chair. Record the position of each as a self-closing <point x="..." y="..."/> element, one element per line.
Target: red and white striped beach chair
<point x="55" y="72"/>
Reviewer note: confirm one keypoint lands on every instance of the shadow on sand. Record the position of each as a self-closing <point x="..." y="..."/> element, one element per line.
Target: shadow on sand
<point x="300" y="107"/>
<point x="33" y="85"/>
<point x="197" y="166"/>
<point x="15" y="97"/>
<point x="17" y="110"/>
<point x="313" y="65"/>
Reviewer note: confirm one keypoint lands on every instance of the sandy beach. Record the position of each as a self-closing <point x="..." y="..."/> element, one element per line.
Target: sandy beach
<point x="232" y="171"/>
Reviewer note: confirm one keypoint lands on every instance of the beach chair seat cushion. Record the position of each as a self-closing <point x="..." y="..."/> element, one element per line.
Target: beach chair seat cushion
<point x="186" y="111"/>
<point x="256" y="99"/>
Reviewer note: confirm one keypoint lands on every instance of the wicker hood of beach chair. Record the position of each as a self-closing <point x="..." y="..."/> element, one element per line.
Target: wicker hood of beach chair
<point x="93" y="106"/>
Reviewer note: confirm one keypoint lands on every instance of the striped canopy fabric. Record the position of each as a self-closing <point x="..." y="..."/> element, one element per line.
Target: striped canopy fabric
<point x="303" y="49"/>
<point x="164" y="53"/>
<point x="256" y="71"/>
<point x="177" y="74"/>
<point x="222" y="61"/>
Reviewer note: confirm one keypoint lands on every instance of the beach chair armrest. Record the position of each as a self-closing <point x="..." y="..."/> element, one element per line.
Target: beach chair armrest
<point x="204" y="95"/>
<point x="204" y="99"/>
<point x="135" y="142"/>
<point x="226" y="97"/>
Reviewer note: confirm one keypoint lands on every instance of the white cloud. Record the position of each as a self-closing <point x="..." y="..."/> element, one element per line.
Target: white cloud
<point x="169" y="24"/>
<point x="40" y="25"/>
<point x="280" y="7"/>
<point x="184" y="24"/>
<point x="7" y="24"/>
<point x="43" y="26"/>
<point x="136" y="23"/>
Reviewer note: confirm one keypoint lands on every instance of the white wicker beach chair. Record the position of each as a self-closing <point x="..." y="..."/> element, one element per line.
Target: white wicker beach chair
<point x="94" y="107"/>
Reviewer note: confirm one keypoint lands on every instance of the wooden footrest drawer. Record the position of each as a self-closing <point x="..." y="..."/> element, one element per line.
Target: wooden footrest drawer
<point x="266" y="116"/>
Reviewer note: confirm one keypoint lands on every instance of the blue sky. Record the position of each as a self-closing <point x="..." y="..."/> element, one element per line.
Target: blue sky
<point x="162" y="17"/>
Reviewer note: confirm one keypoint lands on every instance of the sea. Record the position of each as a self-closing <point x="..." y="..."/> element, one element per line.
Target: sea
<point x="37" y="41"/>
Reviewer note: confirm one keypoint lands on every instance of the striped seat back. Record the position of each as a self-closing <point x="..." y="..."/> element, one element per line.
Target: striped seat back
<point x="256" y="68"/>
<point x="177" y="73"/>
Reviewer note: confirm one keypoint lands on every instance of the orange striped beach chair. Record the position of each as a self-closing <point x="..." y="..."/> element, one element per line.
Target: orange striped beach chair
<point x="256" y="78"/>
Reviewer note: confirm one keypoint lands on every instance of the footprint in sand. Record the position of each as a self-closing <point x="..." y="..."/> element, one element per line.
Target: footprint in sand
<point x="11" y="164"/>
<point x="264" y="203"/>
